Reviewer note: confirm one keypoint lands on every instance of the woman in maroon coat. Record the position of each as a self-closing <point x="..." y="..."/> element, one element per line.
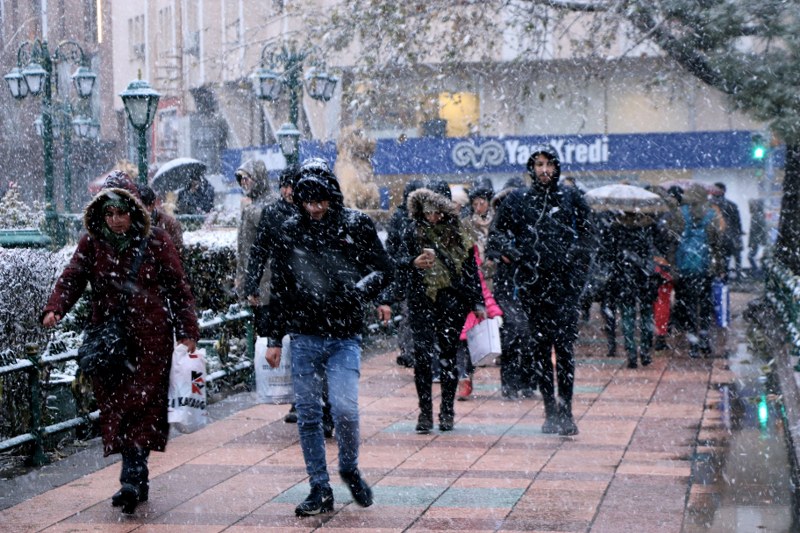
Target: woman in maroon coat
<point x="133" y="407"/>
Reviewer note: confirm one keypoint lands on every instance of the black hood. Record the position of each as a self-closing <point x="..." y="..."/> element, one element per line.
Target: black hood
<point x="317" y="183"/>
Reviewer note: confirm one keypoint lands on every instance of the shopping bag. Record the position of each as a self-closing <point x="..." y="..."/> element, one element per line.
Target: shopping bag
<point x="274" y="385"/>
<point x="483" y="340"/>
<point x="187" y="390"/>
<point x="722" y="303"/>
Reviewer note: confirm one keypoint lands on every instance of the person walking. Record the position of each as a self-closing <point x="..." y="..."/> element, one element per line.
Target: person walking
<point x="437" y="262"/>
<point x="758" y="236"/>
<point x="158" y="308"/>
<point x="328" y="263"/>
<point x="272" y="219"/>
<point x="543" y="232"/>
<point x="732" y="238"/>
<point x="698" y="260"/>
<point x="477" y="221"/>
<point x="629" y="250"/>
<point x="253" y="179"/>
<point x="395" y="228"/>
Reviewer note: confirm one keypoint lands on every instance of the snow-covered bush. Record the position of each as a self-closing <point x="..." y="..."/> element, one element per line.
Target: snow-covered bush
<point x="16" y="214"/>
<point x="209" y="259"/>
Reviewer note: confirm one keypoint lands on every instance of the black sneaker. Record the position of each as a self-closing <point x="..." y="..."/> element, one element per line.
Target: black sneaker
<point x="319" y="501"/>
<point x="291" y="416"/>
<point x="568" y="427"/>
<point x="446" y="422"/>
<point x="361" y="492"/>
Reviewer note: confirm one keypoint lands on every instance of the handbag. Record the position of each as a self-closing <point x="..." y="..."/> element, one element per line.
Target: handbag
<point x="104" y="350"/>
<point x="186" y="399"/>
<point x="483" y="340"/>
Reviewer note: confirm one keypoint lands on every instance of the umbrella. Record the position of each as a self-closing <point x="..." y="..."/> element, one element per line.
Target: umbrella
<point x="685" y="184"/>
<point x="626" y="198"/>
<point x="177" y="173"/>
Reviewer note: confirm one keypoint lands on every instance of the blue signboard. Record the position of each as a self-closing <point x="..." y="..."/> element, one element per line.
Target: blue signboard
<point x="273" y="157"/>
<point x="578" y="153"/>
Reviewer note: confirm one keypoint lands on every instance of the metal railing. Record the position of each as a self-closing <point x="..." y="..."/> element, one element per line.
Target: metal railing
<point x="34" y="363"/>
<point x="782" y="290"/>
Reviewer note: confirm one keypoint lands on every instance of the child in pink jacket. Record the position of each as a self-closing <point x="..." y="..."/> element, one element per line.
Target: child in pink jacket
<point x="492" y="310"/>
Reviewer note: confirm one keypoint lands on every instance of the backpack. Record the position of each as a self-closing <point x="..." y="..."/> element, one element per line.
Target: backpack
<point x="694" y="254"/>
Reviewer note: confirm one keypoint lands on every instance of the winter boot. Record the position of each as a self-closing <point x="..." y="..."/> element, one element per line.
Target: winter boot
<point x="568" y="426"/>
<point x="552" y="422"/>
<point x="424" y="422"/>
<point x="632" y="360"/>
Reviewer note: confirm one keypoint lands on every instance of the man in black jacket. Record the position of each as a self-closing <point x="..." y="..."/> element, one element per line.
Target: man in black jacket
<point x="328" y="264"/>
<point x="542" y="231"/>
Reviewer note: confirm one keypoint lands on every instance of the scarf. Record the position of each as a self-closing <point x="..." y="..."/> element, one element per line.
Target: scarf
<point x="119" y="242"/>
<point x="452" y="246"/>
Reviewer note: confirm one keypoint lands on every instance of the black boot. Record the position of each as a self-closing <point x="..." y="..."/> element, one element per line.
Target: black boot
<point x="551" y="419"/>
<point x="660" y="343"/>
<point x="568" y="426"/>
<point x="127" y="497"/>
<point x="424" y="422"/>
<point x="291" y="416"/>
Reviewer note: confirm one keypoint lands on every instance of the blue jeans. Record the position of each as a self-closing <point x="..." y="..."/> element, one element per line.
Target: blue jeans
<point x="340" y="360"/>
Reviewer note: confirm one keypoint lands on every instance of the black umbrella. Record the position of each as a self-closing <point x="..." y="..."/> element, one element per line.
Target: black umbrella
<point x="177" y="173"/>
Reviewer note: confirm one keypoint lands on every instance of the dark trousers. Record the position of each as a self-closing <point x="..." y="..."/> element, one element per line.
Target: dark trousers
<point x="516" y="367"/>
<point x="436" y="324"/>
<point x="694" y="293"/>
<point x="554" y="327"/>
<point x="134" y="467"/>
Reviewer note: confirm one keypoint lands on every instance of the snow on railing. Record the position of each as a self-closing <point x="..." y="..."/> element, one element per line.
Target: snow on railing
<point x="783" y="292"/>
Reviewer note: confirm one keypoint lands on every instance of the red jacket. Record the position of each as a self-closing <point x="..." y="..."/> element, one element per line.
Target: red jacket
<point x="133" y="408"/>
<point x="492" y="309"/>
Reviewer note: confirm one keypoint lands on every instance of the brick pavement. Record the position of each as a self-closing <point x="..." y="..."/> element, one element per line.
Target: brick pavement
<point x="630" y="468"/>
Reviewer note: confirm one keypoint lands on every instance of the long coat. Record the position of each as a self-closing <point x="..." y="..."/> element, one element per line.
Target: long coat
<point x="133" y="407"/>
<point x="259" y="198"/>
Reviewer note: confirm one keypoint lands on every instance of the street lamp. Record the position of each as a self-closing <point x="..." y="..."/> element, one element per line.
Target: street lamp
<point x="141" y="101"/>
<point x="37" y="73"/>
<point x="268" y="84"/>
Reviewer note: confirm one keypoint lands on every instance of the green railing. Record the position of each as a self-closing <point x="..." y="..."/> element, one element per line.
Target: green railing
<point x="34" y="363"/>
<point x="782" y="289"/>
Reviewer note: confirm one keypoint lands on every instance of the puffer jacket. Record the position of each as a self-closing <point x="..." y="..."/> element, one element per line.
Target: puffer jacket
<point x="325" y="271"/>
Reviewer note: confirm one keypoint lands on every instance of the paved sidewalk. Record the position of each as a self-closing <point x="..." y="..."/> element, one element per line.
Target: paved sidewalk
<point x="628" y="469"/>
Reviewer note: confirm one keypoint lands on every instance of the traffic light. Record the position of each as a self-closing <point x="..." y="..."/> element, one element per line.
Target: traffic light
<point x="759" y="147"/>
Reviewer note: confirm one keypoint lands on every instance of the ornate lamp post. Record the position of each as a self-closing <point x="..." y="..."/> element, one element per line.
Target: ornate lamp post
<point x="37" y="73"/>
<point x="141" y="101"/>
<point x="268" y="84"/>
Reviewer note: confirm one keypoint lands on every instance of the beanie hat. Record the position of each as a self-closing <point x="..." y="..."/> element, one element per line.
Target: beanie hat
<point x="288" y="176"/>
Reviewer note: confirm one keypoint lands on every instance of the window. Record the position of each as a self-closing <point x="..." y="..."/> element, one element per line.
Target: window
<point x="136" y="37"/>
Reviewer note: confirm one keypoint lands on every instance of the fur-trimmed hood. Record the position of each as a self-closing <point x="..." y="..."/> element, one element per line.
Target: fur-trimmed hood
<point x="422" y="198"/>
<point x="94" y="220"/>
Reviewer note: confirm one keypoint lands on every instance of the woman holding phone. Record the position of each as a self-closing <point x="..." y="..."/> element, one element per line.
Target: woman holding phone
<point x="442" y="287"/>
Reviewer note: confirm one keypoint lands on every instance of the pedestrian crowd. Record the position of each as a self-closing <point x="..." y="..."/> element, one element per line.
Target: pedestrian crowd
<point x="532" y="257"/>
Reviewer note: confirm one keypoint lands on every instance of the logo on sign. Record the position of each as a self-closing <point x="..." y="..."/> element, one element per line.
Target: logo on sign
<point x="490" y="153"/>
<point x="197" y="382"/>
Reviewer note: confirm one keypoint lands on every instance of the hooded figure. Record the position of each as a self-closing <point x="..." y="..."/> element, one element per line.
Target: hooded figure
<point x="253" y="179"/>
<point x="328" y="264"/>
<point x="160" y="308"/>
<point x="544" y="232"/>
<point x="437" y="263"/>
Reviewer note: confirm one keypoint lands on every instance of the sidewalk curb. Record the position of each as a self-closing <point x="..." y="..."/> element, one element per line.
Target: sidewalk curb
<point x="762" y="316"/>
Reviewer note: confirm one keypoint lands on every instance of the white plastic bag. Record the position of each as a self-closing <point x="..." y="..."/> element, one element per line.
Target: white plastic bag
<point x="483" y="340"/>
<point x="187" y="390"/>
<point x="274" y="385"/>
